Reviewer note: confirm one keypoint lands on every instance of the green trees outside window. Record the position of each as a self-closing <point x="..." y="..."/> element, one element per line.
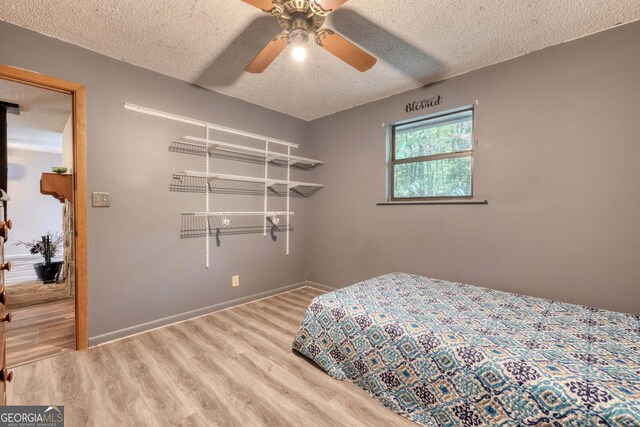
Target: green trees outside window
<point x="433" y="158"/>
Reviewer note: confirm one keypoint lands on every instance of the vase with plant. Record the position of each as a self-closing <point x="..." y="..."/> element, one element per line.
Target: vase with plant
<point x="49" y="246"/>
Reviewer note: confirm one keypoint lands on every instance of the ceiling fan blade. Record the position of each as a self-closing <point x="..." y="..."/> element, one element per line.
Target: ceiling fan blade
<point x="268" y="55"/>
<point x="345" y="50"/>
<point x="330" y="5"/>
<point x="266" y="5"/>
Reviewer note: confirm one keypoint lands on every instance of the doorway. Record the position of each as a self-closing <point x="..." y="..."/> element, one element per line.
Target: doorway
<point x="46" y="290"/>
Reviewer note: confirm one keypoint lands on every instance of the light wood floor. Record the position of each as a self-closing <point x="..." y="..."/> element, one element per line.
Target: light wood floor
<point x="34" y="293"/>
<point x="40" y="331"/>
<point x="235" y="368"/>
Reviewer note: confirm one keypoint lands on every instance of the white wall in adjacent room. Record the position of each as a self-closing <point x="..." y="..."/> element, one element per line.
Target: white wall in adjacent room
<point x="32" y="213"/>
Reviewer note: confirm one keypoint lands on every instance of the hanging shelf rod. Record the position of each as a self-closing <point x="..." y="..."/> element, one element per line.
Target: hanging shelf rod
<point x="270" y="214"/>
<point x="270" y="156"/>
<point x="268" y="181"/>
<point x="203" y="124"/>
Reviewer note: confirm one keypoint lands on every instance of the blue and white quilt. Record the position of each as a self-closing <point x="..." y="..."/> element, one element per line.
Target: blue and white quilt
<point x="447" y="354"/>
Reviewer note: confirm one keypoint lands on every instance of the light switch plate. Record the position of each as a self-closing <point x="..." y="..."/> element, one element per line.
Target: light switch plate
<point x="100" y="200"/>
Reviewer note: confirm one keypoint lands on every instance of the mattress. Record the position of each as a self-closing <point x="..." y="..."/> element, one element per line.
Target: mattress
<point x="449" y="354"/>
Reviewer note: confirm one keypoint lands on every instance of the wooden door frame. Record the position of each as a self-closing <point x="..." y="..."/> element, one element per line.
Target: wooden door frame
<point x="78" y="95"/>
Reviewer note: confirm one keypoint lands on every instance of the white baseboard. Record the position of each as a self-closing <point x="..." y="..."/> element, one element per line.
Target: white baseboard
<point x="155" y="324"/>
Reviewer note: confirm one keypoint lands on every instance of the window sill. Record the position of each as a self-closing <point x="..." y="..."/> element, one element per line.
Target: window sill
<point x="435" y="202"/>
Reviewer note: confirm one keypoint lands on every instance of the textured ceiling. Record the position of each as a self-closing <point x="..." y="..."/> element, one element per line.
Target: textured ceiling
<point x="43" y="116"/>
<point x="208" y="42"/>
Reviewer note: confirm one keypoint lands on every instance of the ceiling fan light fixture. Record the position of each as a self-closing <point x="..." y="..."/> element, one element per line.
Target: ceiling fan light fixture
<point x="300" y="20"/>
<point x="298" y="37"/>
<point x="299" y="53"/>
<point x="300" y="33"/>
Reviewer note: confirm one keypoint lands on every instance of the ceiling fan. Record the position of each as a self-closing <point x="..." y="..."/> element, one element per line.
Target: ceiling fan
<point x="299" y="20"/>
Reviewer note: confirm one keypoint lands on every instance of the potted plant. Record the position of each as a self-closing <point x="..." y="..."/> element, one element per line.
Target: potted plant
<point x="49" y="270"/>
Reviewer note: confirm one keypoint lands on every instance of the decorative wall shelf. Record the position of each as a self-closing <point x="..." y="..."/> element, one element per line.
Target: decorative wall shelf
<point x="210" y="224"/>
<point x="59" y="186"/>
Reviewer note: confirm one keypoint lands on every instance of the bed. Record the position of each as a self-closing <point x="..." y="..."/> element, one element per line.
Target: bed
<point x="448" y="354"/>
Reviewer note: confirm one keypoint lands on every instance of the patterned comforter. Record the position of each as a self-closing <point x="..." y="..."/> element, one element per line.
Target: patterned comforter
<point x="447" y="354"/>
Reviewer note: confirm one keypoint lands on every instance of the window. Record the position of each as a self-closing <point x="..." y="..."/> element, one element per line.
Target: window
<point x="433" y="158"/>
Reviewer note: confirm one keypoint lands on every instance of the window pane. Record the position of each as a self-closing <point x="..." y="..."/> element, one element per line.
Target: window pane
<point x="447" y="134"/>
<point x="436" y="178"/>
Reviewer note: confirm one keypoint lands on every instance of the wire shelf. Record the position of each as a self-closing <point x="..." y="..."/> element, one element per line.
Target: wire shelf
<point x="195" y="224"/>
<point x="221" y="150"/>
<point x="198" y="184"/>
<point x="214" y="225"/>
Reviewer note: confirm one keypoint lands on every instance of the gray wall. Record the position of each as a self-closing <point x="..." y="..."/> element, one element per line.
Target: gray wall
<point x="139" y="269"/>
<point x="557" y="161"/>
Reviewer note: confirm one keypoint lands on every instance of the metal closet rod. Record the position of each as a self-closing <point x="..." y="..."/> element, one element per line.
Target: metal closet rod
<point x="203" y="124"/>
<point x="238" y="213"/>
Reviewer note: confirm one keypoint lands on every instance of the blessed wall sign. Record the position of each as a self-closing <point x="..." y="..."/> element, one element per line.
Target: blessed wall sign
<point x="423" y="104"/>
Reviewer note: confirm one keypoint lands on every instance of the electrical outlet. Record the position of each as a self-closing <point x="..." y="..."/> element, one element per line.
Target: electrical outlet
<point x="235" y="281"/>
<point x="100" y="200"/>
